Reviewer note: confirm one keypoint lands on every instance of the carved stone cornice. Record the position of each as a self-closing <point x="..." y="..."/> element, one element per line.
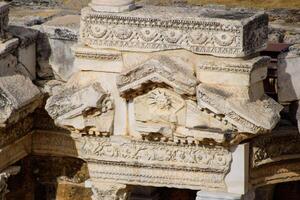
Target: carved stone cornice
<point x="158" y="70"/>
<point x="118" y="159"/>
<point x="217" y="32"/>
<point x="256" y="117"/>
<point x="275" y="158"/>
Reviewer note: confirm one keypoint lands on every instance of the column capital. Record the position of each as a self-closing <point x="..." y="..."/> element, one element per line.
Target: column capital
<point x="109" y="191"/>
<point x="112" y="6"/>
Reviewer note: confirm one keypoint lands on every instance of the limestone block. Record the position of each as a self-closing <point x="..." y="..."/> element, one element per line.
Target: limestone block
<point x="219" y="32"/>
<point x="112" y="6"/>
<point x="83" y="108"/>
<point x="162" y="114"/>
<point x="27" y="49"/>
<point x="100" y="60"/>
<point x="259" y="116"/>
<point x="289" y="75"/>
<point x="231" y="72"/>
<point x="19" y="96"/>
<point x="4" y="11"/>
<point x="27" y="59"/>
<point x="62" y="35"/>
<point x="159" y="70"/>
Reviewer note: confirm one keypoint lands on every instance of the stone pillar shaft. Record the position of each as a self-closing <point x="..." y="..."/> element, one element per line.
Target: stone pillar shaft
<point x="112" y="6"/>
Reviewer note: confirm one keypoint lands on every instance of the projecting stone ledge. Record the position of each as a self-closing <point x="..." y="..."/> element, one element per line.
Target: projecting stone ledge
<point x="219" y="32"/>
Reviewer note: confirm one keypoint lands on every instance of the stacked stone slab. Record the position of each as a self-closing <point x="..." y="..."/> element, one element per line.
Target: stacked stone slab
<point x="19" y="97"/>
<point x="171" y="88"/>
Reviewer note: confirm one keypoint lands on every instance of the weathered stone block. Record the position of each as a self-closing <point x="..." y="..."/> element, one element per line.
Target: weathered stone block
<point x="218" y="32"/>
<point x="62" y="33"/>
<point x="289" y="75"/>
<point x="231" y="72"/>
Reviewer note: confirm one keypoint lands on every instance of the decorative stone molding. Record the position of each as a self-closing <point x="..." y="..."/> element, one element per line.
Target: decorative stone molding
<point x="119" y="159"/>
<point x="158" y="70"/>
<point x="112" y="6"/>
<point x="85" y="108"/>
<point x="109" y="191"/>
<point x="11" y="171"/>
<point x="17" y="103"/>
<point x="256" y="117"/>
<point x="219" y="32"/>
<point x="15" y="151"/>
<point x="279" y="146"/>
<point x="275" y="158"/>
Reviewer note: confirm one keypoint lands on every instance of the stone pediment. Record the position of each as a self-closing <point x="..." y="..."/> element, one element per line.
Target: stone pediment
<point x="254" y="117"/>
<point x="219" y="32"/>
<point x="158" y="70"/>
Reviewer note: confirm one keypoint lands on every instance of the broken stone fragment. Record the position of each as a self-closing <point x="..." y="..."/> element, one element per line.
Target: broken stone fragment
<point x="82" y="108"/>
<point x="255" y="117"/>
<point x="57" y="37"/>
<point x="213" y="31"/>
<point x="18" y="98"/>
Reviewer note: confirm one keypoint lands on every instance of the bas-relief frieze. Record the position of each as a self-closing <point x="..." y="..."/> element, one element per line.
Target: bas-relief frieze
<point x="275" y="157"/>
<point x="275" y="147"/>
<point x="154" y="28"/>
<point x="155" y="161"/>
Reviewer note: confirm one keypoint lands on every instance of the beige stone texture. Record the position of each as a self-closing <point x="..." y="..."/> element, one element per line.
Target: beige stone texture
<point x="112" y="6"/>
<point x="219" y="32"/>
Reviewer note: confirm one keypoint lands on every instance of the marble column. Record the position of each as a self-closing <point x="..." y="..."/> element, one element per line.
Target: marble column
<point x="109" y="191"/>
<point x="112" y="6"/>
<point x="4" y="175"/>
<point x="201" y="195"/>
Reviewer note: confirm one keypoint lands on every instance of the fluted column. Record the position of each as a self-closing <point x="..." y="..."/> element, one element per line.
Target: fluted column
<point x="112" y="5"/>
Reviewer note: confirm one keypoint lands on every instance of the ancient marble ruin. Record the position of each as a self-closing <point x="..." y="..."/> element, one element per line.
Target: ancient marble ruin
<point x="144" y="96"/>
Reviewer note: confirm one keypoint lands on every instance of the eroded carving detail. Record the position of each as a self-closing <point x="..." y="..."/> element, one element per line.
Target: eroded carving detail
<point x="86" y="109"/>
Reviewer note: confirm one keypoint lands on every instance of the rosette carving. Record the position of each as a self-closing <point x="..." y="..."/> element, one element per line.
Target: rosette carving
<point x="123" y="33"/>
<point x="148" y="34"/>
<point x="198" y="37"/>
<point x="98" y="31"/>
<point x="172" y="36"/>
<point x="224" y="39"/>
